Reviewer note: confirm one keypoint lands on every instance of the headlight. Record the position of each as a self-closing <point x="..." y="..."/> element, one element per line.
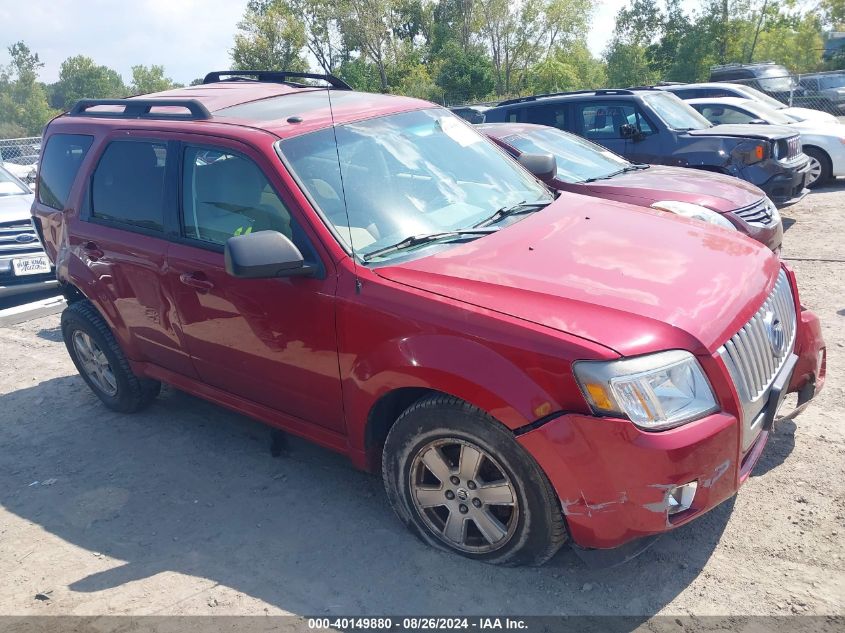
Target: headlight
<point x="696" y="211"/>
<point x="656" y="391"/>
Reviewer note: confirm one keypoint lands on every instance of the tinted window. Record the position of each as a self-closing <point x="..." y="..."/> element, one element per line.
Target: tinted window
<point x="128" y="184"/>
<point x="553" y="115"/>
<point x="59" y="166"/>
<point x="603" y="119"/>
<point x="717" y="114"/>
<point x="225" y="194"/>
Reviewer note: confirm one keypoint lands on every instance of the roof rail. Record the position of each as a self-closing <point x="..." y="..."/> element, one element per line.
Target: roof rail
<point x="598" y="92"/>
<point x="273" y="76"/>
<point x="740" y="65"/>
<point x="135" y="108"/>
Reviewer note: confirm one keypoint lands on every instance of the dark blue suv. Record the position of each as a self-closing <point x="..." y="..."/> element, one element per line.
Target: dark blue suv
<point x="652" y="126"/>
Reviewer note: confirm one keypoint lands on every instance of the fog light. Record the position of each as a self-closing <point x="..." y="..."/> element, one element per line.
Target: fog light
<point x="680" y="497"/>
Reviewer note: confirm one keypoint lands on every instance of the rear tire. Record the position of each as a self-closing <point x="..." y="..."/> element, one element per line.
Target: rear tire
<point x="101" y="362"/>
<point x="490" y="502"/>
<point x="821" y="168"/>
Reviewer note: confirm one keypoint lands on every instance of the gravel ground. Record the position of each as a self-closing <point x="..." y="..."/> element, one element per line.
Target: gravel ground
<point x="181" y="509"/>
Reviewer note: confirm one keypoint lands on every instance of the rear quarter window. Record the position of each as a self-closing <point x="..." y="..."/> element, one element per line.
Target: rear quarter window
<point x="60" y="164"/>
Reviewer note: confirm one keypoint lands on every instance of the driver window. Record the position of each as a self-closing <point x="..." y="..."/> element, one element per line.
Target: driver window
<point x="725" y="114"/>
<point x="603" y="120"/>
<point x="225" y="194"/>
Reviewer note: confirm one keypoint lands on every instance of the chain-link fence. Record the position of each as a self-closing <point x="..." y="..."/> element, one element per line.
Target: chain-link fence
<point x="19" y="156"/>
<point x="823" y="91"/>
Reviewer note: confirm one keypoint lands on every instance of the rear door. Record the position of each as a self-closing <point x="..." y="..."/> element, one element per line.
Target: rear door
<point x="270" y="341"/>
<point x="126" y="219"/>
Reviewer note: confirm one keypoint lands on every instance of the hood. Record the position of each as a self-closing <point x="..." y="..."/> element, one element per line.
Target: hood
<point x="819" y="128"/>
<point x="808" y="115"/>
<point x="748" y="130"/>
<point x="647" y="186"/>
<point x="16" y="208"/>
<point x="629" y="278"/>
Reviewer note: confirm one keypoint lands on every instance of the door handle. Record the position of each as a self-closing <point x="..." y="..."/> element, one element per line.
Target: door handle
<point x="92" y="251"/>
<point x="196" y="280"/>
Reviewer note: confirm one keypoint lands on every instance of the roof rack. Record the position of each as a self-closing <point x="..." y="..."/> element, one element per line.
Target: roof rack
<point x="273" y="76"/>
<point x="135" y="108"/>
<point x="741" y="65"/>
<point x="599" y="92"/>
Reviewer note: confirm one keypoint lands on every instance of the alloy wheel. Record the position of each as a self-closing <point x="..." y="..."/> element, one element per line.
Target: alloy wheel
<point x="464" y="496"/>
<point x="94" y="363"/>
<point x="815" y="171"/>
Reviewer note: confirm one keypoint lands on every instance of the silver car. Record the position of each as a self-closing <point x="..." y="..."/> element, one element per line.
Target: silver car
<point x="24" y="266"/>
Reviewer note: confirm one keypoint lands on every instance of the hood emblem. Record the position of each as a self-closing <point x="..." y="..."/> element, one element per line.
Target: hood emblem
<point x="775" y="333"/>
<point x="25" y="238"/>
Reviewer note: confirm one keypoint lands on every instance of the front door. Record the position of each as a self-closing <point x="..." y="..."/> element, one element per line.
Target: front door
<point x="270" y="341"/>
<point x="602" y="122"/>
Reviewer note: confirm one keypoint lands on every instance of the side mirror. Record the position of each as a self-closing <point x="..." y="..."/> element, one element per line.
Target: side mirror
<point x="264" y="255"/>
<point x="543" y="166"/>
<point x="626" y="130"/>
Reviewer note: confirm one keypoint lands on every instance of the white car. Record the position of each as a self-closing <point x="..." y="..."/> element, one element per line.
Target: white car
<point x="822" y="142"/>
<point x="24" y="266"/>
<point x="714" y="89"/>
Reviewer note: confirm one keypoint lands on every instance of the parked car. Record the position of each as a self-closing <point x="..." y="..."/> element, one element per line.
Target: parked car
<point x="24" y="266"/>
<point x="823" y="144"/>
<point x="717" y="89"/>
<point x="652" y="126"/>
<point x="773" y="79"/>
<point x="369" y="272"/>
<point x="828" y="88"/>
<point x="471" y="113"/>
<point x="586" y="168"/>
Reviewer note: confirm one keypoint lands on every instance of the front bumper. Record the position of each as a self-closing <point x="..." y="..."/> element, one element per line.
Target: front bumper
<point x="11" y="285"/>
<point x="613" y="478"/>
<point x="787" y="186"/>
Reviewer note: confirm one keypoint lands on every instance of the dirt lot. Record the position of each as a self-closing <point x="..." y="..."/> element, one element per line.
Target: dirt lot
<point x="182" y="509"/>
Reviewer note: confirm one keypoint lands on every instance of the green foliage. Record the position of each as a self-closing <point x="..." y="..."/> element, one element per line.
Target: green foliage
<point x="81" y="78"/>
<point x="465" y="74"/>
<point x="269" y="37"/>
<point x="23" y="101"/>
<point x="147" y="79"/>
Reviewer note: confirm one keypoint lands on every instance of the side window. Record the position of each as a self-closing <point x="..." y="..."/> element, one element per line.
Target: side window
<point x="225" y="194"/>
<point x="128" y="185"/>
<point x="725" y="114"/>
<point x="603" y="120"/>
<point x="553" y="115"/>
<point x="59" y="166"/>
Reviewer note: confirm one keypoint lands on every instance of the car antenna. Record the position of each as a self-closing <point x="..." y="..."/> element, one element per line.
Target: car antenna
<point x="343" y="190"/>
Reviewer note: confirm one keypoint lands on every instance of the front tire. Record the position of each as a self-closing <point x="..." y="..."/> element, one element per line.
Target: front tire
<point x="101" y="362"/>
<point x="821" y="168"/>
<point x="460" y="481"/>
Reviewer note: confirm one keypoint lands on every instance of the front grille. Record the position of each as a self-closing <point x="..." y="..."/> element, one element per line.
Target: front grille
<point x="793" y="145"/>
<point x="761" y="213"/>
<point x="18" y="238"/>
<point x="751" y="356"/>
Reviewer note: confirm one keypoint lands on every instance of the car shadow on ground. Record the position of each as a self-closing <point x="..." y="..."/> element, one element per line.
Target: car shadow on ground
<point x="189" y="487"/>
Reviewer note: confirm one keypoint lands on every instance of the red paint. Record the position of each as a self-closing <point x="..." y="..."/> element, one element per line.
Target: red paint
<point x="496" y="322"/>
<point x="721" y="193"/>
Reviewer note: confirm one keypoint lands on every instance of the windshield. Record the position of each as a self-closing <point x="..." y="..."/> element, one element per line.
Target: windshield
<point x="766" y="113"/>
<point x="10" y="186"/>
<point x="408" y="174"/>
<point x="775" y="79"/>
<point x="831" y="81"/>
<point x="577" y="159"/>
<point x="674" y="112"/>
<point x="761" y="97"/>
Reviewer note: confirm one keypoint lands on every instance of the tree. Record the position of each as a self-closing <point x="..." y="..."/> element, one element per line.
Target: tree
<point x="81" y="78"/>
<point x="23" y="100"/>
<point x="147" y="79"/>
<point x="367" y="27"/>
<point x="270" y="37"/>
<point x="465" y="74"/>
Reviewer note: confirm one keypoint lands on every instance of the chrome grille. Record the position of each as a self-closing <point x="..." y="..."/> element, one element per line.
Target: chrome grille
<point x="793" y="145"/>
<point x="750" y="355"/>
<point x="761" y="213"/>
<point x="18" y="238"/>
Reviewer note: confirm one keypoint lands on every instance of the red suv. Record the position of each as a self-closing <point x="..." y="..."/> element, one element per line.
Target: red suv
<point x="371" y="273"/>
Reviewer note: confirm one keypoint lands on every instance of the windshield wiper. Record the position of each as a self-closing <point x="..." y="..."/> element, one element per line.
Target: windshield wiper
<point x="417" y="240"/>
<point x="516" y="209"/>
<point x="627" y="168"/>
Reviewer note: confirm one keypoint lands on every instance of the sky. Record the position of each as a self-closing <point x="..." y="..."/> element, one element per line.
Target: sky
<point x="187" y="37"/>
